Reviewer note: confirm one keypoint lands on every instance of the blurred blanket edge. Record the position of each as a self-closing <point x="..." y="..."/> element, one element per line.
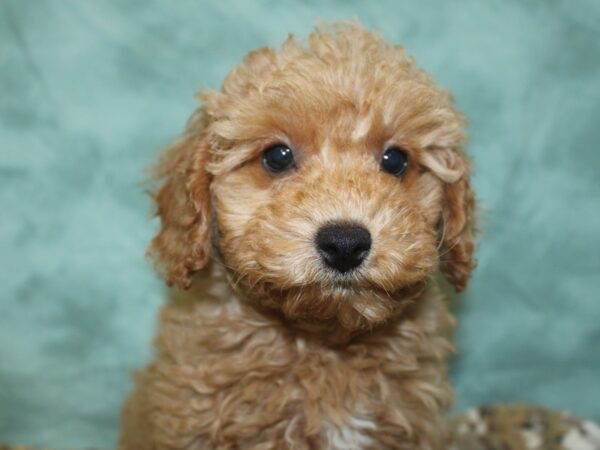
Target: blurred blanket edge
<point x="506" y="427"/>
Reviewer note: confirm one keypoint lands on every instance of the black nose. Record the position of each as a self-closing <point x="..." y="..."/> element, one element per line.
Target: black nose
<point x="343" y="247"/>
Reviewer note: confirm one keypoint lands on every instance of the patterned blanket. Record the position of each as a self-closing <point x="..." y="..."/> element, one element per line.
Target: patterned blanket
<point x="520" y="427"/>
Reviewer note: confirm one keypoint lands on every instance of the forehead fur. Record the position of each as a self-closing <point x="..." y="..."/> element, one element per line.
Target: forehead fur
<point x="344" y="84"/>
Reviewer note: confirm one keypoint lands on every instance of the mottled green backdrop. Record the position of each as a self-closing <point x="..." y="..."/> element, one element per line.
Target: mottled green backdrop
<point x="90" y="90"/>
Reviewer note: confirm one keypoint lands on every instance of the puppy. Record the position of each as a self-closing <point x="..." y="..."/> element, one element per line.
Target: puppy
<point x="306" y="215"/>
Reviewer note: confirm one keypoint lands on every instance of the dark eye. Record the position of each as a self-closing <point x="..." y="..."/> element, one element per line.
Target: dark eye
<point x="394" y="161"/>
<point x="278" y="158"/>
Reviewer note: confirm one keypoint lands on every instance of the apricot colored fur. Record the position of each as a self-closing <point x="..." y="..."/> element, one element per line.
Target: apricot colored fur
<point x="267" y="348"/>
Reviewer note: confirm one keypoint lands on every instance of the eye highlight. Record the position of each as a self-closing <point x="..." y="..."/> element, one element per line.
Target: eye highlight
<point x="394" y="161"/>
<point x="278" y="158"/>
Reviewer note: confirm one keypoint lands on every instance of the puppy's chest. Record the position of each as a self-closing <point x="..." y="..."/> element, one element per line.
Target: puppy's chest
<point x="244" y="379"/>
<point x="315" y="394"/>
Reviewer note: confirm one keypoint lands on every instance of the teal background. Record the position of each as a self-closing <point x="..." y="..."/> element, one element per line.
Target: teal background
<point x="91" y="90"/>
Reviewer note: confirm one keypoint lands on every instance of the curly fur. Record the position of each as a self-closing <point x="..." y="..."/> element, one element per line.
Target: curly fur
<point x="267" y="349"/>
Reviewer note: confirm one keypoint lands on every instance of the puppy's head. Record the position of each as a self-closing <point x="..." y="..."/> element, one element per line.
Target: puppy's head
<point x="328" y="178"/>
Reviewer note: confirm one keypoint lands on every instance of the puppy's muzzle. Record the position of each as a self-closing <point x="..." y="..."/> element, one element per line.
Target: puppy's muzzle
<point x="343" y="247"/>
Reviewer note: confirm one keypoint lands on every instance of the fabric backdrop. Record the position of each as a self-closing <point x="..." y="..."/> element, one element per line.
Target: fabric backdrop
<point x="91" y="90"/>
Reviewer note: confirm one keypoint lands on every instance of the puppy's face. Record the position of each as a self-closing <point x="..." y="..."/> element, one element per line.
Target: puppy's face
<point x="328" y="218"/>
<point x="337" y="187"/>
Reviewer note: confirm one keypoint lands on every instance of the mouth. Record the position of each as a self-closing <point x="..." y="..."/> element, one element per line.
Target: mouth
<point x="353" y="275"/>
<point x="343" y="283"/>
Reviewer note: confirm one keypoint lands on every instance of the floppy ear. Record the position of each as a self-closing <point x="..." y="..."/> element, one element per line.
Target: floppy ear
<point x="182" y="245"/>
<point x="458" y="238"/>
<point x="457" y="224"/>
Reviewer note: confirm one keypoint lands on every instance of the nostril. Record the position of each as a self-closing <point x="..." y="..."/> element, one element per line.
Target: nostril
<point x="361" y="247"/>
<point x="342" y="246"/>
<point x="329" y="248"/>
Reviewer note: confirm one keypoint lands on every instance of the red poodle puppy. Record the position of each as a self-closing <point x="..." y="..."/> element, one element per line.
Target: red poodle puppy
<point x="307" y="212"/>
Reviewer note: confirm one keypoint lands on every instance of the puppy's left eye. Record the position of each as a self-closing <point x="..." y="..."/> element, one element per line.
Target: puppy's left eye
<point x="394" y="161"/>
<point x="278" y="158"/>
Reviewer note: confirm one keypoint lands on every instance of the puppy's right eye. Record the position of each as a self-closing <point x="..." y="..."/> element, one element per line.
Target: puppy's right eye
<point x="278" y="158"/>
